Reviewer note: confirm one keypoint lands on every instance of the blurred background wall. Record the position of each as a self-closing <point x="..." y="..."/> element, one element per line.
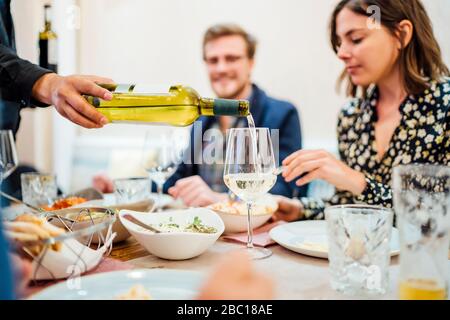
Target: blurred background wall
<point x="159" y="42"/>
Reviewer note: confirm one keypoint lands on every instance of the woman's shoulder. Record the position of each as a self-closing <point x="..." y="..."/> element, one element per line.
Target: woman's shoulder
<point x="438" y="93"/>
<point x="434" y="101"/>
<point x="441" y="86"/>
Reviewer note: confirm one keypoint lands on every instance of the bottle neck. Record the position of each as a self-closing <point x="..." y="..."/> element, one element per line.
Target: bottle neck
<point x="207" y="107"/>
<point x="224" y="107"/>
<point x="48" y="26"/>
<point x="47" y="21"/>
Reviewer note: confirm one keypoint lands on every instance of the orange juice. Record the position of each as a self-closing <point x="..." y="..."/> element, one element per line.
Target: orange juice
<point x="421" y="289"/>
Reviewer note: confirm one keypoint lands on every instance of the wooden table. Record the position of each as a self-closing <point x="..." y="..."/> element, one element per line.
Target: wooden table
<point x="296" y="276"/>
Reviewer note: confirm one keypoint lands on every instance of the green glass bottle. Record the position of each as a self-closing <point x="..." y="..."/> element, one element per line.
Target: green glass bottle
<point x="48" y="43"/>
<point x="181" y="106"/>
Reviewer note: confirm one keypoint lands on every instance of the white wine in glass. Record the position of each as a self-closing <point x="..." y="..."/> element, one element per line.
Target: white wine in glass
<point x="250" y="175"/>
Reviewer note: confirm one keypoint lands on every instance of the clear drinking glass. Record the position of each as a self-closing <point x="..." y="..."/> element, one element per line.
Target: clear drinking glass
<point x="250" y="172"/>
<point x="38" y="189"/>
<point x="422" y="208"/>
<point x="128" y="190"/>
<point x="160" y="158"/>
<point x="359" y="248"/>
<point x="8" y="154"/>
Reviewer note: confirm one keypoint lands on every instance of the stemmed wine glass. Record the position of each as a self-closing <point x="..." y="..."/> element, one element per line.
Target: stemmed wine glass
<point x="160" y="158"/>
<point x="250" y="172"/>
<point x="8" y="154"/>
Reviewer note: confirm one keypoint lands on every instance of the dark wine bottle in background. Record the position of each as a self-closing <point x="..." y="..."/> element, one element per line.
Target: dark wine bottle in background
<point x="48" y="43"/>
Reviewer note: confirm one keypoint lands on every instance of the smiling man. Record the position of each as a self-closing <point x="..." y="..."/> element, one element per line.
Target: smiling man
<point x="229" y="56"/>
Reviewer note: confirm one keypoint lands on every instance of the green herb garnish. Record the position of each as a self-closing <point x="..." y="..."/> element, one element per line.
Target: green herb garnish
<point x="198" y="226"/>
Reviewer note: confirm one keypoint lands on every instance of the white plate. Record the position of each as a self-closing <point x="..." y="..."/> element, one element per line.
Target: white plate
<point x="168" y="202"/>
<point x="109" y="201"/>
<point x="165" y="200"/>
<point x="159" y="283"/>
<point x="11" y="212"/>
<point x="310" y="238"/>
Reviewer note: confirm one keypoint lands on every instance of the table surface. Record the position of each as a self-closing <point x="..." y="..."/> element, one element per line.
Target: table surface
<point x="296" y="276"/>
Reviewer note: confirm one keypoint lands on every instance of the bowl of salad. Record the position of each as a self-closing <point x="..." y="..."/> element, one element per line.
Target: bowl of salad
<point x="175" y="234"/>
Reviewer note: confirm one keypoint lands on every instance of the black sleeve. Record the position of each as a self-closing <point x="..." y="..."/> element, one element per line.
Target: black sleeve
<point x="17" y="77"/>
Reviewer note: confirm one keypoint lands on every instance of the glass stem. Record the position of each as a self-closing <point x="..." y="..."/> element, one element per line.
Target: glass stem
<point x="249" y="226"/>
<point x="159" y="189"/>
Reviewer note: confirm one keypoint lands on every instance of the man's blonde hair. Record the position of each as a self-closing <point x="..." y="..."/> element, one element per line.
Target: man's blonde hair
<point x="228" y="29"/>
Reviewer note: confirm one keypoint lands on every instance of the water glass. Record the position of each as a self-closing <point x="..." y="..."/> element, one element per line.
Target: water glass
<point x="161" y="156"/>
<point x="8" y="154"/>
<point x="359" y="248"/>
<point x="130" y="190"/>
<point x="422" y="208"/>
<point x="38" y="189"/>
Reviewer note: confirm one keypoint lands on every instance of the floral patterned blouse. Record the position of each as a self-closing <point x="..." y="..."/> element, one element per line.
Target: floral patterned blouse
<point x="423" y="136"/>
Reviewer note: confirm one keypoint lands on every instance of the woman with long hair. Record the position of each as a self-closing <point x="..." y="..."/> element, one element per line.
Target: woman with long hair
<point x="399" y="111"/>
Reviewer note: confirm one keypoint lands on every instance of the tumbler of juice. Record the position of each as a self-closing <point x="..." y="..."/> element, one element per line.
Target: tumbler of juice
<point x="422" y="207"/>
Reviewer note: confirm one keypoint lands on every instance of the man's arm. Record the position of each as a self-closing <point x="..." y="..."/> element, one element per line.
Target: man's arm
<point x="17" y="77"/>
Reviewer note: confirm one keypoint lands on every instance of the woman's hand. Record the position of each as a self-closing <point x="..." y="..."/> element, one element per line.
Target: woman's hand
<point x="288" y="209"/>
<point x="320" y="164"/>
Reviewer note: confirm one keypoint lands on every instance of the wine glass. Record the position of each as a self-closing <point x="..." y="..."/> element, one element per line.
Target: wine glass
<point x="160" y="158"/>
<point x="8" y="154"/>
<point x="250" y="172"/>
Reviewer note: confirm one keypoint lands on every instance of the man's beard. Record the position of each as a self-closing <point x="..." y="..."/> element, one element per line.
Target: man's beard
<point x="235" y="93"/>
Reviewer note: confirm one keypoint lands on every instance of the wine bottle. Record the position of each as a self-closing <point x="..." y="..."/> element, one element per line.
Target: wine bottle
<point x="48" y="43"/>
<point x="181" y="106"/>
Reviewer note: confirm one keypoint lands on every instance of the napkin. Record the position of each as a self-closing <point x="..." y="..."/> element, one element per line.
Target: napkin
<point x="72" y="259"/>
<point x="261" y="236"/>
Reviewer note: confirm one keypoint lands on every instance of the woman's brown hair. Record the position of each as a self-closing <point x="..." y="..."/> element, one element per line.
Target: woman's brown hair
<point x="420" y="61"/>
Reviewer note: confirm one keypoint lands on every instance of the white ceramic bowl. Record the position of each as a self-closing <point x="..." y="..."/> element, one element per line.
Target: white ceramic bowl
<point x="237" y="222"/>
<point x="174" y="245"/>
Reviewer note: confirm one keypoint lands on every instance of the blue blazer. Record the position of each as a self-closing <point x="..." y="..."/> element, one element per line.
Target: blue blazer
<point x="267" y="112"/>
<point x="6" y="275"/>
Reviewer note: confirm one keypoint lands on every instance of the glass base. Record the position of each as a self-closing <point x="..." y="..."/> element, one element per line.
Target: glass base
<point x="258" y="253"/>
